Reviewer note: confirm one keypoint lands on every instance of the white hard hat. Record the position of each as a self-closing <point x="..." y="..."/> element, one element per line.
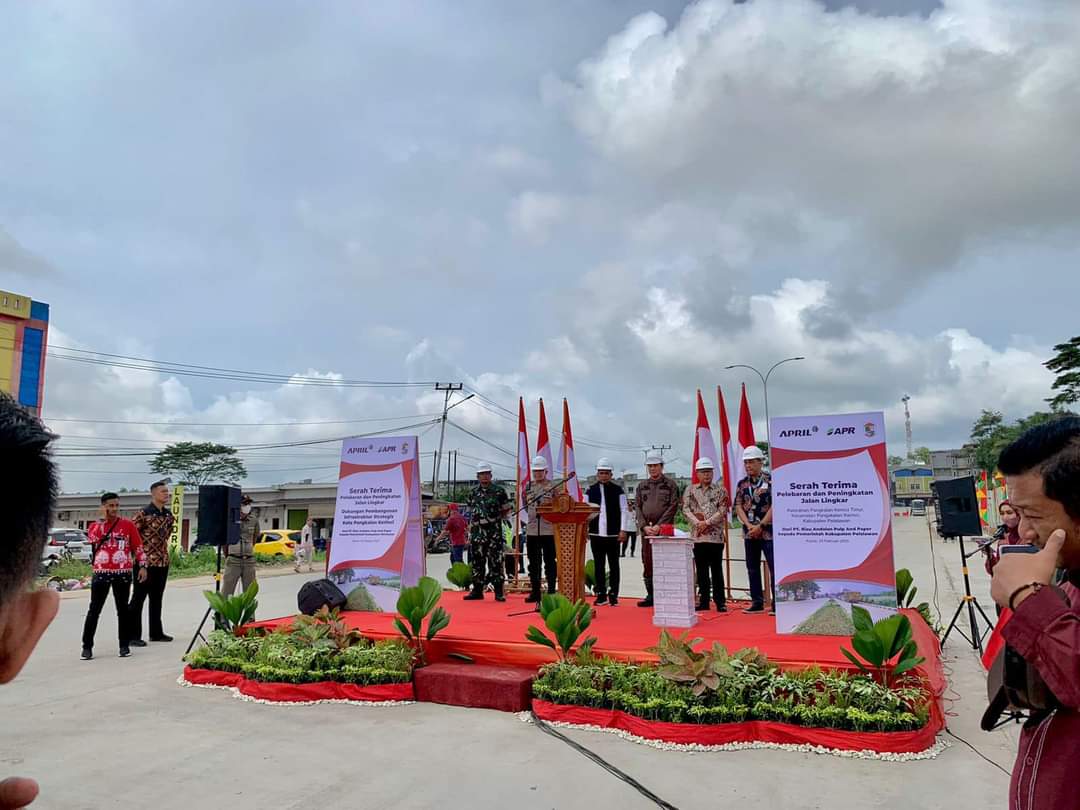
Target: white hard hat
<point x="751" y="453"/>
<point x="654" y="458"/>
<point x="483" y="467"/>
<point x="704" y="463"/>
<point x="604" y="464"/>
<point x="539" y="463"/>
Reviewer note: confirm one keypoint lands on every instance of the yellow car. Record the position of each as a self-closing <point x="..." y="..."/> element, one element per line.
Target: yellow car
<point x="278" y="543"/>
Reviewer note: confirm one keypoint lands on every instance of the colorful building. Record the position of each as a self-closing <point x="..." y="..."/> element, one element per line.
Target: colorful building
<point x="24" y="334"/>
<point x="911" y="482"/>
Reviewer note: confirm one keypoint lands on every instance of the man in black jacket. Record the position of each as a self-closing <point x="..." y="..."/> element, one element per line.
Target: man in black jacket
<point x="606" y="531"/>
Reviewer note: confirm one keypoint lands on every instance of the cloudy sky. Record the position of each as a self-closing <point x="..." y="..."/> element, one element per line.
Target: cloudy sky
<point x="607" y="200"/>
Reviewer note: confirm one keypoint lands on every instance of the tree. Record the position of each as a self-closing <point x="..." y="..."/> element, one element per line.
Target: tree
<point x="895" y="461"/>
<point x="1066" y="364"/>
<point x="199" y="463"/>
<point x="764" y="448"/>
<point x="921" y="455"/>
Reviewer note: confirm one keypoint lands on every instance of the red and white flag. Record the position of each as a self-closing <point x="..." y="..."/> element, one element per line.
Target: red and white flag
<point x="567" y="469"/>
<point x="732" y="451"/>
<point x="543" y="446"/>
<point x="746" y="426"/>
<point x="524" y="463"/>
<point x="704" y="446"/>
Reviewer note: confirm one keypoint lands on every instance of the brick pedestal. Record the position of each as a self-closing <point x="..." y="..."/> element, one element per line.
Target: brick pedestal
<point x="673" y="582"/>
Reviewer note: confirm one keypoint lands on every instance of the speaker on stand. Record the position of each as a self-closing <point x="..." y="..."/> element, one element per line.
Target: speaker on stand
<point x="219" y="525"/>
<point x="958" y="516"/>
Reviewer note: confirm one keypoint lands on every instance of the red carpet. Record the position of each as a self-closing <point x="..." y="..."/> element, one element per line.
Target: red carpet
<point x="486" y="632"/>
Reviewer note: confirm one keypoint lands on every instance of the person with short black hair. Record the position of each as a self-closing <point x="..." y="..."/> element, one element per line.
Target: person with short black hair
<point x="117" y="548"/>
<point x="28" y="481"/>
<point x="1042" y="472"/>
<point x="606" y="532"/>
<point x="155" y="525"/>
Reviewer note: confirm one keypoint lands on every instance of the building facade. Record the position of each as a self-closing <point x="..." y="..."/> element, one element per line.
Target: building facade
<point x="909" y="482"/>
<point x="953" y="463"/>
<point x="24" y="335"/>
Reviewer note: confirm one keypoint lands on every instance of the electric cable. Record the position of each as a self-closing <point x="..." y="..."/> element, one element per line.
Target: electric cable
<point x="603" y="763"/>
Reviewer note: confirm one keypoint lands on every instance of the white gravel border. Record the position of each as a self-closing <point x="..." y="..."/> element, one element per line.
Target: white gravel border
<point x="940" y="744"/>
<point x="236" y="693"/>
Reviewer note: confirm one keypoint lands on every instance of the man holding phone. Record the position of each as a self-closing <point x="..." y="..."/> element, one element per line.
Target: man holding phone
<point x="1042" y="472"/>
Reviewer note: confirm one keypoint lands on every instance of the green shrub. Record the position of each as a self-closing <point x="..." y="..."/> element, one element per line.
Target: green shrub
<point x="460" y="574"/>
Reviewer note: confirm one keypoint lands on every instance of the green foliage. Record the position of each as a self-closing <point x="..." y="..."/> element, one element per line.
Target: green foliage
<point x="234" y="611"/>
<point x="326" y="629"/>
<point x="567" y="621"/>
<point x="750" y="689"/>
<point x="831" y="619"/>
<point x="990" y="434"/>
<point x="884" y="647"/>
<point x="1066" y="365"/>
<point x="360" y="598"/>
<point x="700" y="671"/>
<point x="199" y="463"/>
<point x="413" y="606"/>
<point x="921" y="455"/>
<point x="905" y="595"/>
<point x="460" y="574"/>
<point x="590" y="574"/>
<point x="290" y="656"/>
<point x="70" y="568"/>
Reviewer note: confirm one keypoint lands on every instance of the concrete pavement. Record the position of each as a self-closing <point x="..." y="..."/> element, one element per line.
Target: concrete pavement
<point x="121" y="733"/>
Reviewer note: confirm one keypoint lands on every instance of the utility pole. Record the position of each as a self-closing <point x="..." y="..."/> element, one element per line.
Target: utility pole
<point x="449" y="388"/>
<point x="907" y="425"/>
<point x="661" y="448"/>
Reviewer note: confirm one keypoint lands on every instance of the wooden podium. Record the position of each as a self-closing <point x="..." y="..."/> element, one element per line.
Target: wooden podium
<point x="570" y="520"/>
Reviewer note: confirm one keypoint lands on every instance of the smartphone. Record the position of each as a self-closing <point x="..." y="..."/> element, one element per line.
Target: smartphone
<point x="1022" y="548"/>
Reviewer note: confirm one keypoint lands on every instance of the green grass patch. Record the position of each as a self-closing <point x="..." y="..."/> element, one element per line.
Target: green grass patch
<point x="830" y="620"/>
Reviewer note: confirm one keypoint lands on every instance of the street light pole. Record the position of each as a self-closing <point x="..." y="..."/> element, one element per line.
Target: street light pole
<point x="765" y="389"/>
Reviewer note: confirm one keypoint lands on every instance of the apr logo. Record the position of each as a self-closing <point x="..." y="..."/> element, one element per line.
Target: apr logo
<point x="840" y="431"/>
<point x="869" y="429"/>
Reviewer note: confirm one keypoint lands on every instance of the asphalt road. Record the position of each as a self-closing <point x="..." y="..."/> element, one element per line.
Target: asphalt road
<point x="121" y="733"/>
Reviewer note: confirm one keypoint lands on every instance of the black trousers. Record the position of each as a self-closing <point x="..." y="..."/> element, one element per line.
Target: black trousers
<point x="540" y="550"/>
<point x="754" y="549"/>
<point x="605" y="552"/>
<point x="709" y="564"/>
<point x="100" y="585"/>
<point x="154" y="588"/>
<point x="631" y="540"/>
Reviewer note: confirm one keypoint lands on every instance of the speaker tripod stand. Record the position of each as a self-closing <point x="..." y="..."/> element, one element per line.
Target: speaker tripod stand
<point x="217" y="589"/>
<point x="974" y="608"/>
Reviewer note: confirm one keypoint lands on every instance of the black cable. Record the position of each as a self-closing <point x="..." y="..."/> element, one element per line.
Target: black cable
<point x="481" y="438"/>
<point x="981" y="755"/>
<point x="603" y="763"/>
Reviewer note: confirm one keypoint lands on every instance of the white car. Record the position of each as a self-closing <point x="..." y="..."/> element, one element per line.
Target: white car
<point x="68" y="543"/>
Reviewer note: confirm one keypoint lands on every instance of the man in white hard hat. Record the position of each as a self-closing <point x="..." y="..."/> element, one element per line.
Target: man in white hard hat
<point x="655" y="503"/>
<point x="753" y="506"/>
<point x="705" y="505"/>
<point x="606" y="531"/>
<point x="488" y="504"/>
<point x="539" y="534"/>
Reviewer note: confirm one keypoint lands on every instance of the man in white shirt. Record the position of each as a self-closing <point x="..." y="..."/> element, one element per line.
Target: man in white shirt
<point x="307" y="546"/>
<point x="606" y="531"/>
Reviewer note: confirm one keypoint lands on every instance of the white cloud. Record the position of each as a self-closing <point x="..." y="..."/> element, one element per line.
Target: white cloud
<point x="534" y="213"/>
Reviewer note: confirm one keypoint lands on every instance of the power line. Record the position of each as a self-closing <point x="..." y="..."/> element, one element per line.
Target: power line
<point x="235" y="424"/>
<point x="480" y="438"/>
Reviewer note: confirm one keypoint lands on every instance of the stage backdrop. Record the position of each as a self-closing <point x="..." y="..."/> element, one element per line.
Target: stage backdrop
<point x="832" y="524"/>
<point x="378" y="543"/>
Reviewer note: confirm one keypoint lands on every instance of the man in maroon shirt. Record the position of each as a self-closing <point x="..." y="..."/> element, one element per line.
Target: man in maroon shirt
<point x="117" y="544"/>
<point x="1042" y="472"/>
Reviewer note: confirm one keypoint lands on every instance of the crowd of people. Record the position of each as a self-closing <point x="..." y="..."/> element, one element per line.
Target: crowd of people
<point x="1041" y="589"/>
<point x="617" y="528"/>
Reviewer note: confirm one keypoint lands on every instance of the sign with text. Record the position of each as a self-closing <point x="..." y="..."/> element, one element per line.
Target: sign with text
<point x="378" y="544"/>
<point x="176" y="506"/>
<point x="832" y="522"/>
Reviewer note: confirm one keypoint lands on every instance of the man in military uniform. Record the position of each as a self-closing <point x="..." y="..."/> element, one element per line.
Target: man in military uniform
<point x="655" y="503"/>
<point x="753" y="506"/>
<point x="240" y="561"/>
<point x="488" y="505"/>
<point x="539" y="533"/>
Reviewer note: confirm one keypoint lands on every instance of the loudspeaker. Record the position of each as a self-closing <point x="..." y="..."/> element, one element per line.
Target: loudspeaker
<point x="219" y="515"/>
<point x="957" y="507"/>
<point x="317" y="594"/>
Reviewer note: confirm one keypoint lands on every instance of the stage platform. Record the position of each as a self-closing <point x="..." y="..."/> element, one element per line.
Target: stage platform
<point x="493" y="633"/>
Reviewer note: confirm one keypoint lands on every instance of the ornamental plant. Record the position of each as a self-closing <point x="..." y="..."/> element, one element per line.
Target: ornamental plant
<point x="233" y="612"/>
<point x="460" y="574"/>
<point x="325" y="629"/>
<point x="566" y="620"/>
<point x="416" y="604"/>
<point x="702" y="671"/>
<point x="905" y="596"/>
<point x="885" y="648"/>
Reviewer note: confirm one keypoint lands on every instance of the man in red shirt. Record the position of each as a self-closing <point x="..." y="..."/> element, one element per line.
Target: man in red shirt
<point x="1042" y="471"/>
<point x="116" y="544"/>
<point x="458" y="530"/>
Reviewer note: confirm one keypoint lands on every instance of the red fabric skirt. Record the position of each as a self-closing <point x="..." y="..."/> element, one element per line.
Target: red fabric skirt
<point x="897" y="742"/>
<point x="299" y="692"/>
